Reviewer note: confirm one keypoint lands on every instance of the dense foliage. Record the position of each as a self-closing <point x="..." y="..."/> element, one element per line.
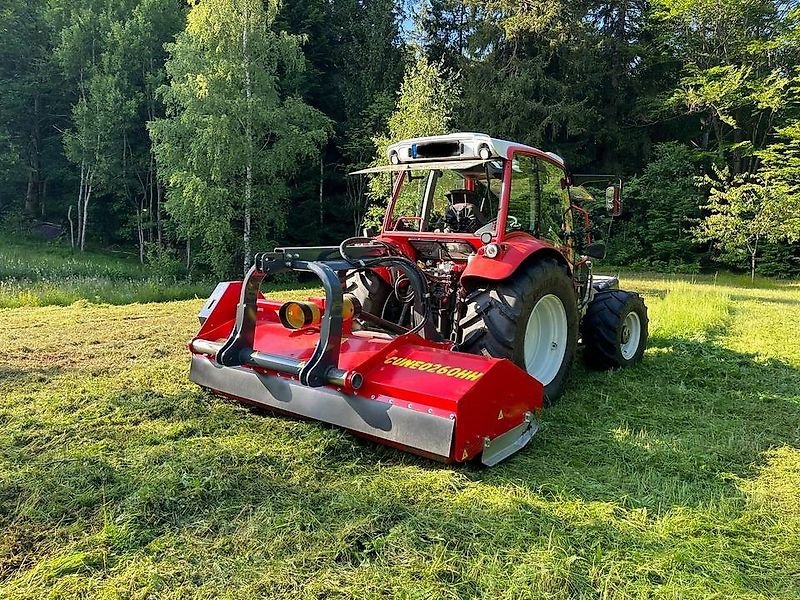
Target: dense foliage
<point x="218" y="127"/>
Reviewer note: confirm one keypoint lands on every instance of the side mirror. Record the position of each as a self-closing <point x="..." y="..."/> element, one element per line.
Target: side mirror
<point x="614" y="199"/>
<point x="596" y="250"/>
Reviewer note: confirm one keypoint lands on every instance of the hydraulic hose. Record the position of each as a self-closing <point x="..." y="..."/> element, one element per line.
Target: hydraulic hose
<point x="416" y="279"/>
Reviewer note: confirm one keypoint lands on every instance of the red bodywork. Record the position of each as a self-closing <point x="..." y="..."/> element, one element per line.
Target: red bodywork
<point x="417" y="394"/>
<point x="480" y="398"/>
<point x="515" y="249"/>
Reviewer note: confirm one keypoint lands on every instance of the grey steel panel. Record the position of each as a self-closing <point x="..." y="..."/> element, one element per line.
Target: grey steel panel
<point x="510" y="442"/>
<point x="427" y="433"/>
<point x="208" y="307"/>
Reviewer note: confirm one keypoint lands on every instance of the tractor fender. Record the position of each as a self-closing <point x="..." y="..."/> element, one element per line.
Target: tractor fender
<point x="517" y="249"/>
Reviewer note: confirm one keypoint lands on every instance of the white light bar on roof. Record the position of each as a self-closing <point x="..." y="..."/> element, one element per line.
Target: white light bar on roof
<point x="458" y="146"/>
<point x="454" y="146"/>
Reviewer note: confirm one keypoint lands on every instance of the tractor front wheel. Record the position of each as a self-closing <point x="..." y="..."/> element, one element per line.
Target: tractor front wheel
<point x="530" y="319"/>
<point x="615" y="329"/>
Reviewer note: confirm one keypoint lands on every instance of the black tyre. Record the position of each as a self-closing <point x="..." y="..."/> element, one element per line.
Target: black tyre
<point x="615" y="329"/>
<point x="370" y="290"/>
<point x="531" y="319"/>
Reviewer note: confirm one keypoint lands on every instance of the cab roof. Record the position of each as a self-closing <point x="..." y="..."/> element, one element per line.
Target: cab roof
<point x="460" y="146"/>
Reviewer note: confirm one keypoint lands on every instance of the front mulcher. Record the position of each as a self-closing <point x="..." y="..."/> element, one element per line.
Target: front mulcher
<point x="329" y="360"/>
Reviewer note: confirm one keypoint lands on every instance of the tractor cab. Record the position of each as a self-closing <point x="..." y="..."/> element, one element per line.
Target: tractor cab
<point x="478" y="189"/>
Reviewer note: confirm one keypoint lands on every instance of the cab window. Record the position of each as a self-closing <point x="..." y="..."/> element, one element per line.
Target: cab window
<point x="524" y="186"/>
<point x="555" y="216"/>
<point x="538" y="202"/>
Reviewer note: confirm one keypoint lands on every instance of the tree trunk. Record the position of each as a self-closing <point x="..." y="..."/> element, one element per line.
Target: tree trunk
<point x="86" y="197"/>
<point x="248" y="190"/>
<point x="43" y="199"/>
<point x="83" y="222"/>
<point x="150" y="197"/>
<point x="71" y="227"/>
<point x="321" y="184"/>
<point x="159" y="192"/>
<point x="247" y="216"/>
<point x="30" y="206"/>
<point x="80" y="201"/>
<point x="140" y="233"/>
<point x="34" y="174"/>
<point x="753" y="252"/>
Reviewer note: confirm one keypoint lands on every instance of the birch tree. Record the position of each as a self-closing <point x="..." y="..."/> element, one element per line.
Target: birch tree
<point x="231" y="138"/>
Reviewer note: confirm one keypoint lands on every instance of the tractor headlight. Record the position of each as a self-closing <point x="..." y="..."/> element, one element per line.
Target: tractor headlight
<point x="491" y="250"/>
<point x="394" y="158"/>
<point x="485" y="152"/>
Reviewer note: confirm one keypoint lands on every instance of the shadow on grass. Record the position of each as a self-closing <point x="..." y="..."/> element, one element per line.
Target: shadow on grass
<point x="26" y="375"/>
<point x="672" y="431"/>
<point x="765" y="299"/>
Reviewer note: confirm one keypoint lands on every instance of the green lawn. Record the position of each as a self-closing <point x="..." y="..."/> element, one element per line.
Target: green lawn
<point x="39" y="274"/>
<point x="678" y="478"/>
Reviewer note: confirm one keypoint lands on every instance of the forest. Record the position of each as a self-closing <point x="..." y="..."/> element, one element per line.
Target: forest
<point x="192" y="134"/>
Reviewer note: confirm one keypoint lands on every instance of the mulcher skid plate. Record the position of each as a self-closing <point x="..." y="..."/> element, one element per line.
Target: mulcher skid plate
<point x="405" y="391"/>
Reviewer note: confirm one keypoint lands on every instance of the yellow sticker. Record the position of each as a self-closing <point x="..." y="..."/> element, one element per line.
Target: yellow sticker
<point x="438" y="369"/>
<point x="501" y="416"/>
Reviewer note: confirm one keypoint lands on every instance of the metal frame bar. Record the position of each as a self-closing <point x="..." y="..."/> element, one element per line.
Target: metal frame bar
<point x="238" y="349"/>
<point x="323" y="366"/>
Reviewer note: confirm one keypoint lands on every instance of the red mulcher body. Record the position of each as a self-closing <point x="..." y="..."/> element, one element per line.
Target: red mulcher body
<point x="457" y="327"/>
<point x="405" y="391"/>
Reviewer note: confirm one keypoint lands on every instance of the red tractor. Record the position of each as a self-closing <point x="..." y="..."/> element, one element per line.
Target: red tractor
<point x="445" y="333"/>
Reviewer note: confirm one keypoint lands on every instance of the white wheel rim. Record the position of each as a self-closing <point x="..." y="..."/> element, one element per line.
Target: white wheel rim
<point x="631" y="334"/>
<point x="546" y="339"/>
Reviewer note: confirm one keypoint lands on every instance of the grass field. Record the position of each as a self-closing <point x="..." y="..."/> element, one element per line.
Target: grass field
<point x="37" y="274"/>
<point x="678" y="478"/>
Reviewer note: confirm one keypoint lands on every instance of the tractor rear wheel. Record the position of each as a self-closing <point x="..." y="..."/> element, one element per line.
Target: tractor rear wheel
<point x="531" y="319"/>
<point x="370" y="290"/>
<point x="615" y="329"/>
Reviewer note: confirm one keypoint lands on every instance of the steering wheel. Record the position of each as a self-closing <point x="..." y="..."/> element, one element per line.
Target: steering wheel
<point x="512" y="223"/>
<point x="401" y="220"/>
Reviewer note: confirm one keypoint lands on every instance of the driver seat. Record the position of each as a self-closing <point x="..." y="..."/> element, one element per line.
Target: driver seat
<point x="463" y="214"/>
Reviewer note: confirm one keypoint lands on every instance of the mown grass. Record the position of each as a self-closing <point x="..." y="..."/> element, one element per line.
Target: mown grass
<point x="675" y="479"/>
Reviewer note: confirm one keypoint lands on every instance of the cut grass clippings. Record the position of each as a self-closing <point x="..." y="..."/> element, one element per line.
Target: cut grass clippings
<point x="677" y="478"/>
